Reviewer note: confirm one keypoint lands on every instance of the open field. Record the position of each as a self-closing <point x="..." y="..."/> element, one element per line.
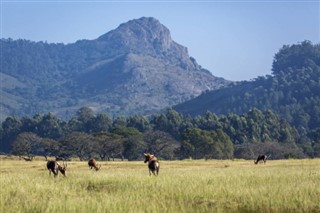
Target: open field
<point x="182" y="186"/>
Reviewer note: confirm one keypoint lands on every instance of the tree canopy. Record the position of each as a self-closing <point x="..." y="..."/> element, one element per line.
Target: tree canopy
<point x="169" y="135"/>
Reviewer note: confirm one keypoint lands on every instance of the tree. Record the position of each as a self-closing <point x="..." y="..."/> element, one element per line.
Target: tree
<point x="25" y="144"/>
<point x="134" y="147"/>
<point x="74" y="125"/>
<point x="296" y="56"/>
<point x="11" y="128"/>
<point x="208" y="121"/>
<point x="125" y="131"/>
<point x="200" y="141"/>
<point x="102" y="123"/>
<point x="170" y="122"/>
<point x="30" y="124"/>
<point x="315" y="137"/>
<point x="213" y="144"/>
<point x="46" y="147"/>
<point x="133" y="143"/>
<point x="108" y="145"/>
<point x="187" y="149"/>
<point x="161" y="144"/>
<point x="244" y="151"/>
<point x="85" y="114"/>
<point x="227" y="146"/>
<point x="139" y="122"/>
<point x="49" y="127"/>
<point x="86" y="118"/>
<point x="79" y="144"/>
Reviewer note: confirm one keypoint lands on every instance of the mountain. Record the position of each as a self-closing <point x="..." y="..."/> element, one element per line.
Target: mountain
<point x="136" y="68"/>
<point x="292" y="91"/>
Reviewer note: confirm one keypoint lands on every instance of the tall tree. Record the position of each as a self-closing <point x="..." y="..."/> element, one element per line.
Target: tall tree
<point x="86" y="117"/>
<point x="49" y="127"/>
<point x="102" y="123"/>
<point x="161" y="144"/>
<point x="109" y="145"/>
<point x="25" y="144"/>
<point x="11" y="128"/>
<point x="79" y="144"/>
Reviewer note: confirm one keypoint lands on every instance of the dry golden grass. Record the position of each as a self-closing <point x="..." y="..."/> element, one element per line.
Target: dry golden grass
<point x="182" y="186"/>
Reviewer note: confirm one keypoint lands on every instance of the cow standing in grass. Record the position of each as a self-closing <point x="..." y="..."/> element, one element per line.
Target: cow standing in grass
<point x="55" y="167"/>
<point x="92" y="163"/>
<point x="261" y="159"/>
<point x="153" y="164"/>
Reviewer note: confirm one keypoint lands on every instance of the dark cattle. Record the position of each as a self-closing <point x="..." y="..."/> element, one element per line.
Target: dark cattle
<point x="153" y="164"/>
<point x="92" y="163"/>
<point x="261" y="159"/>
<point x="55" y="167"/>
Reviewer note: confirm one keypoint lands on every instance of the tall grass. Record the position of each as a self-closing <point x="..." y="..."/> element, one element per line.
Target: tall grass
<point x="182" y="186"/>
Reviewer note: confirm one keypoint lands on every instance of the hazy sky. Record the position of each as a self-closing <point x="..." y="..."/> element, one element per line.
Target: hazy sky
<point x="233" y="39"/>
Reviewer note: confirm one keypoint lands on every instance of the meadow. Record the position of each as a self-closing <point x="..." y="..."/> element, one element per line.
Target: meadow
<point x="182" y="186"/>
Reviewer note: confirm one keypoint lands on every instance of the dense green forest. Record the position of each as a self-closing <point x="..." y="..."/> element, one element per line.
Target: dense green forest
<point x="292" y="91"/>
<point x="169" y="135"/>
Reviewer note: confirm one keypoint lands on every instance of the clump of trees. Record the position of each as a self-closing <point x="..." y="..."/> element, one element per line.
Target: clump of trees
<point x="169" y="135"/>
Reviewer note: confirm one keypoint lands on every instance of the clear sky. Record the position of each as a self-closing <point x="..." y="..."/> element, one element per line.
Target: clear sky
<point x="236" y="40"/>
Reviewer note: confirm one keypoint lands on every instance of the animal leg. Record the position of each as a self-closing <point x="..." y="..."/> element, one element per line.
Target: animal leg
<point x="157" y="168"/>
<point x="55" y="172"/>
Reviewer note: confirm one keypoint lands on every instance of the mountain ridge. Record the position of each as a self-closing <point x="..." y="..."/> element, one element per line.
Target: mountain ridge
<point x="135" y="68"/>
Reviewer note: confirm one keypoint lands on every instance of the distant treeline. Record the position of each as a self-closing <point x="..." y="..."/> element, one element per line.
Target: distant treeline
<point x="169" y="135"/>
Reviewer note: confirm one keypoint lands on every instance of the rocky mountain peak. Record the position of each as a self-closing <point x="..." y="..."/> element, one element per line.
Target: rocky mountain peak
<point x="145" y="33"/>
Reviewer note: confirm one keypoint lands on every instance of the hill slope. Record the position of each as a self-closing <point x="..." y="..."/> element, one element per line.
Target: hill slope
<point x="136" y="68"/>
<point x="293" y="91"/>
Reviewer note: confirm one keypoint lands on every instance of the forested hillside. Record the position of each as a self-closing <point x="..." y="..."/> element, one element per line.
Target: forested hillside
<point x="292" y="91"/>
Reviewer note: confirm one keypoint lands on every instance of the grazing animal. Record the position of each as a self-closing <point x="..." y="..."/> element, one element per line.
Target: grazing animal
<point x="92" y="163"/>
<point x="55" y="167"/>
<point x="261" y="159"/>
<point x="153" y="164"/>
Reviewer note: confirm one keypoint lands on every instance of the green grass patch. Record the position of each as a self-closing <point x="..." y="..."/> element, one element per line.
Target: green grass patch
<point x="182" y="186"/>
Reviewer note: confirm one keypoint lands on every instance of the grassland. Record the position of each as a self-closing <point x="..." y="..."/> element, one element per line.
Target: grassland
<point x="182" y="186"/>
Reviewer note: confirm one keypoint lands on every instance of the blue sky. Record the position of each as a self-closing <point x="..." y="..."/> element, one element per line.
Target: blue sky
<point x="233" y="39"/>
